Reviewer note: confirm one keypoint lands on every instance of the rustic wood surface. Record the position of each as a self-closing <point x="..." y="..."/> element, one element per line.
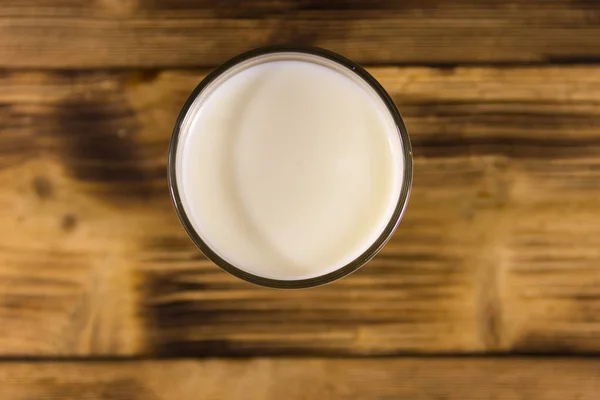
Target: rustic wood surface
<point x="497" y="258"/>
<point x="275" y="379"/>
<point x="174" y="33"/>
<point x="498" y="251"/>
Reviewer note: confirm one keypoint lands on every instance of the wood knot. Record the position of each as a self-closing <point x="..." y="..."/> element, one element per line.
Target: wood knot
<point x="42" y="187"/>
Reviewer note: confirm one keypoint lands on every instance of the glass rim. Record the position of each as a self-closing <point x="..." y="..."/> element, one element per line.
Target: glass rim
<point x="353" y="265"/>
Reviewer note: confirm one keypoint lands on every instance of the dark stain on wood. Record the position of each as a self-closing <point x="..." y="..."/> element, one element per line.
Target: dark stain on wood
<point x="522" y="113"/>
<point x="265" y="9"/>
<point x="511" y="147"/>
<point x="233" y="9"/>
<point x="293" y="314"/>
<point x="176" y="323"/>
<point x="68" y="223"/>
<point x="176" y="304"/>
<point x="208" y="347"/>
<point x="365" y="5"/>
<point x="541" y="343"/>
<point x="142" y="76"/>
<point x="235" y="348"/>
<point x="34" y="302"/>
<point x="96" y="153"/>
<point x="42" y="187"/>
<point x="89" y="129"/>
<point x="574" y="59"/>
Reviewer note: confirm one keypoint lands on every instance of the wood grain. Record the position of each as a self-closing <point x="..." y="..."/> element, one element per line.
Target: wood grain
<point x="498" y="250"/>
<point x="164" y="33"/>
<point x="265" y="379"/>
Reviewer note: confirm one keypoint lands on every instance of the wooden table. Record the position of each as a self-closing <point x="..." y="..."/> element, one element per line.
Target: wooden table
<point x="490" y="289"/>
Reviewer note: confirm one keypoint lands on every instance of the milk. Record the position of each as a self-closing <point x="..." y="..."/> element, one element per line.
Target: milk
<point x="289" y="167"/>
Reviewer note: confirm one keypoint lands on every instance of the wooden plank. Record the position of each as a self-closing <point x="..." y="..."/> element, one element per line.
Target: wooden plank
<point x="164" y="33"/>
<point x="412" y="378"/>
<point x="498" y="250"/>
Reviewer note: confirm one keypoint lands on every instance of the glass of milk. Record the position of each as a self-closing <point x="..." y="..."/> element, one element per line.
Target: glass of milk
<point x="290" y="167"/>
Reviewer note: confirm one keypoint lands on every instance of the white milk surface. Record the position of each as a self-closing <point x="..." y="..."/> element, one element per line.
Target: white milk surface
<point x="289" y="169"/>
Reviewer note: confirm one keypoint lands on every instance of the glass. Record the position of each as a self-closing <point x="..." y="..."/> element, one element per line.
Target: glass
<point x="292" y="52"/>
